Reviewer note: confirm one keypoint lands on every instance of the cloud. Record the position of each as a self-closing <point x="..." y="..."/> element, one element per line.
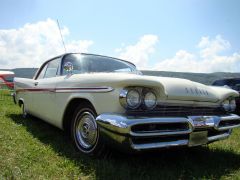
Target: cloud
<point x="206" y="60"/>
<point x="32" y="44"/>
<point x="140" y="52"/>
<point x="207" y="57"/>
<point x="210" y="48"/>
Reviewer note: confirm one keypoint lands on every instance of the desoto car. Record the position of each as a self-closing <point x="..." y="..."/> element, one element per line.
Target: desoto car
<point x="106" y="101"/>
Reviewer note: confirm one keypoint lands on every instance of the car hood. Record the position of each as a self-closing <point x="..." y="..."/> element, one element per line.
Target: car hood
<point x="171" y="88"/>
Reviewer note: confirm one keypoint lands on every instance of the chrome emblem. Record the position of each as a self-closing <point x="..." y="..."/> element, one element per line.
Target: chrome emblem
<point x="196" y="91"/>
<point x="199" y="122"/>
<point x="202" y="121"/>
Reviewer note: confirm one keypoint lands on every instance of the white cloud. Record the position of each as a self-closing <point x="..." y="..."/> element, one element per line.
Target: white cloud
<point x="208" y="58"/>
<point x="139" y="53"/>
<point x="211" y="48"/>
<point x="32" y="44"/>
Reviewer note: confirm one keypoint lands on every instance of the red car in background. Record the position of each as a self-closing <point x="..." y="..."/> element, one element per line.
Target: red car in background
<point x="233" y="83"/>
<point x="6" y="79"/>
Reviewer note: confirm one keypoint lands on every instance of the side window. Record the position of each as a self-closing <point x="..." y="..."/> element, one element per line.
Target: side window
<point x="52" y="68"/>
<point x="42" y="73"/>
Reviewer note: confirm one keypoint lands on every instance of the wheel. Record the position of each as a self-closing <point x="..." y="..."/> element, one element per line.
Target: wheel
<point x="85" y="133"/>
<point x="24" y="112"/>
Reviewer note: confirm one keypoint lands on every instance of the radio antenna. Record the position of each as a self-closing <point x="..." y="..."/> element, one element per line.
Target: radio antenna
<point x="61" y="36"/>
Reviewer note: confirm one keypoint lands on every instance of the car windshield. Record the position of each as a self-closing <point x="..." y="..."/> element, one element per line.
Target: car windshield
<point x="83" y="63"/>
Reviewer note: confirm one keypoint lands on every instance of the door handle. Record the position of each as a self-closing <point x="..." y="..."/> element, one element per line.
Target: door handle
<point x="35" y="83"/>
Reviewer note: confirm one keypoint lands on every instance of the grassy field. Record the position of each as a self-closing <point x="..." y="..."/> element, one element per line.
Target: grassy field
<point x="33" y="149"/>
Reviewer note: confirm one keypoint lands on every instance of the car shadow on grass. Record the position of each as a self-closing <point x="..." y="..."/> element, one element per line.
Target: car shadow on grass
<point x="196" y="163"/>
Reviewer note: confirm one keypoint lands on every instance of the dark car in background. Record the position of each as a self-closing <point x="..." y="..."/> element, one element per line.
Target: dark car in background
<point x="233" y="83"/>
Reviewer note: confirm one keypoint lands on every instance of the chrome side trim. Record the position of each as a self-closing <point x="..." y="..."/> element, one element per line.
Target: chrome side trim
<point x="84" y="90"/>
<point x="100" y="89"/>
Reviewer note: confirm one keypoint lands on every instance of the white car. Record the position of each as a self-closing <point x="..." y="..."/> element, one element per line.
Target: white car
<point x="106" y="101"/>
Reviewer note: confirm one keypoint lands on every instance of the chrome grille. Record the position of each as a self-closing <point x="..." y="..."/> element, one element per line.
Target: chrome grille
<point x="160" y="127"/>
<point x="173" y="111"/>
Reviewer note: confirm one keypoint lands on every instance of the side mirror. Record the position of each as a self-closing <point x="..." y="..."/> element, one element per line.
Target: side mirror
<point x="68" y="66"/>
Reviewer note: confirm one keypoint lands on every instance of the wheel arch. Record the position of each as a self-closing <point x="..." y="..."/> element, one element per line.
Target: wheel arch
<point x="69" y="111"/>
<point x="20" y="102"/>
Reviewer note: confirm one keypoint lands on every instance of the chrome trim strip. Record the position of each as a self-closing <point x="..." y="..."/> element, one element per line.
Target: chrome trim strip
<point x="227" y="127"/>
<point x="159" y="145"/>
<point x="231" y="117"/>
<point x="175" y="143"/>
<point x="84" y="90"/>
<point x="100" y="89"/>
<point x="219" y="137"/>
<point x="160" y="133"/>
<point x="193" y="104"/>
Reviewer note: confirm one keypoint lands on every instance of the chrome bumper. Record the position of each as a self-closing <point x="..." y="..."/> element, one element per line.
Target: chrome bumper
<point x="140" y="133"/>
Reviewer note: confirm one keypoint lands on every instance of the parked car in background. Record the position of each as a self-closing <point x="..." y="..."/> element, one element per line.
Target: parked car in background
<point x="104" y="101"/>
<point x="6" y="79"/>
<point x="233" y="83"/>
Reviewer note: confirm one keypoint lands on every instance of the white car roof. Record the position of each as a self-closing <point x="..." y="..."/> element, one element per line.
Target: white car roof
<point x="6" y="72"/>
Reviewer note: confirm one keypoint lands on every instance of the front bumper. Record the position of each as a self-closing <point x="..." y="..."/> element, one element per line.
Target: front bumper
<point x="142" y="133"/>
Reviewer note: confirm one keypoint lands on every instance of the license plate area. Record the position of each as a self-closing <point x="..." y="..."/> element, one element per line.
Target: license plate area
<point x="198" y="138"/>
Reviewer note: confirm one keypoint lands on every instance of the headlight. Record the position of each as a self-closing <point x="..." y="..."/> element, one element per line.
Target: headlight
<point x="133" y="99"/>
<point x="232" y="105"/>
<point x="229" y="105"/>
<point x="226" y="105"/>
<point x="150" y="100"/>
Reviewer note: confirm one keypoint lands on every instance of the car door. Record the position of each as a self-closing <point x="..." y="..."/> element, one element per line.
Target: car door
<point x="44" y="96"/>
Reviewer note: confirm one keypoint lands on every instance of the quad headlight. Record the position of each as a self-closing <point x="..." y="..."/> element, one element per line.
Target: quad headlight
<point x="232" y="105"/>
<point x="229" y="105"/>
<point x="150" y="100"/>
<point x="133" y="98"/>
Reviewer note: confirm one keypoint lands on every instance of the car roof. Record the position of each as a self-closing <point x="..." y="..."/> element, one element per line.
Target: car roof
<point x="91" y="55"/>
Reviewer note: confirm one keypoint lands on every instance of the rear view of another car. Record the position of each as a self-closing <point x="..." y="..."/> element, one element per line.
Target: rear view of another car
<point x="233" y="83"/>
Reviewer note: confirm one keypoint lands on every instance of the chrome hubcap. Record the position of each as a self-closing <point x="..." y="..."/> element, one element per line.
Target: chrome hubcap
<point x="86" y="130"/>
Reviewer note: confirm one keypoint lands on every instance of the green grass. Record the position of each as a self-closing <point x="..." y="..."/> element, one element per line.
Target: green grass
<point x="33" y="149"/>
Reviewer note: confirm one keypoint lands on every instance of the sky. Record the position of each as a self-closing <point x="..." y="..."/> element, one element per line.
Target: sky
<point x="173" y="35"/>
